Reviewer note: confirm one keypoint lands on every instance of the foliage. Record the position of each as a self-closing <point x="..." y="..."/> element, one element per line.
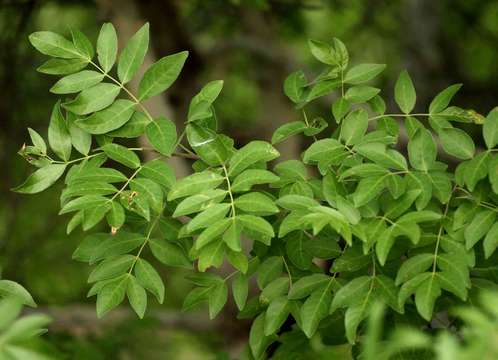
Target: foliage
<point x="353" y="223"/>
<point x="16" y="335"/>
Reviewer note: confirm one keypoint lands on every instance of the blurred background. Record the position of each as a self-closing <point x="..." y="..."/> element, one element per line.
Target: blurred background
<point x="252" y="45"/>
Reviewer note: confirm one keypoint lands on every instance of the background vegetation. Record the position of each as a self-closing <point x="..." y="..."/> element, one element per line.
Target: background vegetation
<point x="253" y="45"/>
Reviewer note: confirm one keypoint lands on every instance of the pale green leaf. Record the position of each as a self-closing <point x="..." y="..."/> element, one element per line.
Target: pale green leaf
<point x="77" y="82"/>
<point x="108" y="119"/>
<point x="249" y="154"/>
<point x="58" y="134"/>
<point x="107" y="46"/>
<point x="161" y="75"/>
<point x="93" y="99"/>
<point x="457" y="143"/>
<point x="122" y="155"/>
<point x="133" y="54"/>
<point x="41" y="179"/>
<point x="137" y="296"/>
<point x="161" y="133"/>
<point x="53" y="44"/>
<point x="404" y="92"/>
<point x="169" y="254"/>
<point x="490" y="129"/>
<point x="363" y="73"/>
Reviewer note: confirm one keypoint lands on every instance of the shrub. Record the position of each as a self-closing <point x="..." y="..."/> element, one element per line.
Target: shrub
<point x="352" y="223"/>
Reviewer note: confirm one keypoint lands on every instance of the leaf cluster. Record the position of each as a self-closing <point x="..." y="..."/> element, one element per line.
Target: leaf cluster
<point x="355" y="221"/>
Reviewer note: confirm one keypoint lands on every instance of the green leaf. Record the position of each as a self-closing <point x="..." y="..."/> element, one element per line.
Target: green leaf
<point x="360" y="94"/>
<point x="158" y="171"/>
<point x="169" y="254"/>
<point x="41" y="179"/>
<point x="363" y="73"/>
<point x="414" y="266"/>
<point x="12" y="289"/>
<point x="53" y="44"/>
<point x="422" y="150"/>
<point x="150" y="279"/>
<point x="81" y="140"/>
<point x="133" y="128"/>
<point x="476" y="169"/>
<point x="491" y="241"/>
<point x="133" y="54"/>
<point x="82" y="43"/>
<point x="99" y="174"/>
<point x="276" y="288"/>
<point x="314" y="309"/>
<point x="457" y="143"/>
<point x="493" y="173"/>
<point x="490" y="129"/>
<point x="378" y="153"/>
<point x="217" y="299"/>
<point x="195" y="183"/>
<point x="84" y="202"/>
<point x="58" y="134"/>
<point x="326" y="151"/>
<point x="161" y="75"/>
<point x="249" y="154"/>
<point x="240" y="289"/>
<point x="269" y="270"/>
<point x="296" y="202"/>
<point x="354" y="126"/>
<point x="116" y="215"/>
<point x="37" y="141"/>
<point x="211" y="255"/>
<point x="161" y="134"/>
<point x="199" y="202"/>
<point x="479" y="226"/>
<point x="442" y="100"/>
<point x="200" y="107"/>
<point x="296" y="249"/>
<point x="137" y="296"/>
<point x="62" y="66"/>
<point x="195" y="297"/>
<point x="426" y="296"/>
<point x="294" y="86"/>
<point x="322" y="88"/>
<point x="76" y="82"/>
<point x="232" y="235"/>
<point x="107" y="46"/>
<point x="212" y="232"/>
<point x="306" y="285"/>
<point x="404" y="92"/>
<point x="256" y="224"/>
<point x="276" y="314"/>
<point x="151" y="190"/>
<point x="108" y="119"/>
<point x="111" y="295"/>
<point x="92" y="216"/>
<point x="119" y="244"/>
<point x="122" y="155"/>
<point x="256" y="202"/>
<point x="212" y="214"/>
<point x="287" y="130"/>
<point x="93" y="99"/>
<point x="368" y="189"/>
<point x="111" y="268"/>
<point x="234" y="254"/>
<point x="351" y="293"/>
<point x="246" y="179"/>
<point x="258" y="342"/>
<point x="323" y="52"/>
<point x="340" y="108"/>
